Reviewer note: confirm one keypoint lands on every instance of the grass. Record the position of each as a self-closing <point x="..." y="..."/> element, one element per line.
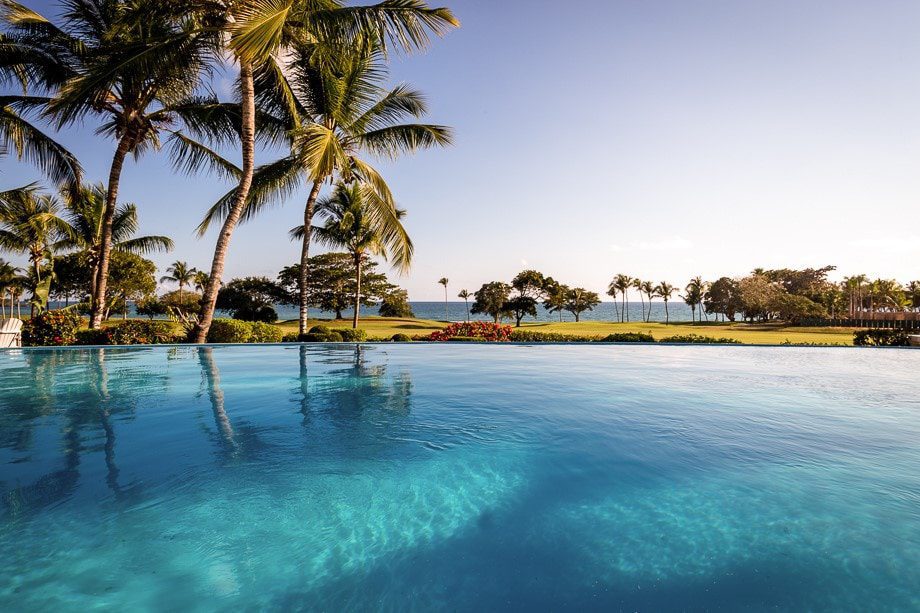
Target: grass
<point x="380" y="328"/>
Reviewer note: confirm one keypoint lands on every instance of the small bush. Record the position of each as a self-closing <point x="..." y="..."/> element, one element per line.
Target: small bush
<point x="532" y="336"/>
<point x="313" y="337"/>
<point x="321" y="329"/>
<point x="229" y="331"/>
<point x="880" y="338"/>
<point x="467" y="339"/>
<point x="629" y="337"/>
<point x="91" y="337"/>
<point x="353" y="335"/>
<point x="486" y="331"/>
<point x="265" y="333"/>
<point x="140" y="332"/>
<point x="699" y="339"/>
<point x="401" y="338"/>
<point x="290" y="338"/>
<point x="334" y="337"/>
<point x="52" y="329"/>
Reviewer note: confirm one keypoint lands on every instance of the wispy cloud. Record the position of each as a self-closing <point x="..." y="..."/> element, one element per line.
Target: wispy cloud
<point x="668" y="244"/>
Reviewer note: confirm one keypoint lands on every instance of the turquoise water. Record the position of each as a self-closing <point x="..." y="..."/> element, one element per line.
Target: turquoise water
<point x="411" y="477"/>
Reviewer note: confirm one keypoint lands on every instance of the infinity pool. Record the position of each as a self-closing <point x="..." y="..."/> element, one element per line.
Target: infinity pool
<point x="459" y="477"/>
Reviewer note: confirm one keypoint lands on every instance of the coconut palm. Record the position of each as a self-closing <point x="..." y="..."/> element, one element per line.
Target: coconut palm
<point x="19" y="136"/>
<point x="665" y="290"/>
<point x="130" y="64"/>
<point x="260" y="33"/>
<point x="85" y="209"/>
<point x="695" y="292"/>
<point x="647" y="288"/>
<point x="200" y="281"/>
<point x="351" y="224"/>
<point x="444" y="281"/>
<point x="466" y="298"/>
<point x="9" y="278"/>
<point x="30" y="224"/>
<point x="180" y="273"/>
<point x="620" y="285"/>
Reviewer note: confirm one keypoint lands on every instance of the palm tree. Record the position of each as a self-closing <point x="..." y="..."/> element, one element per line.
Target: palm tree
<point x="30" y="224"/>
<point x="696" y="290"/>
<point x="647" y="288"/>
<point x="179" y="272"/>
<point x="28" y="141"/>
<point x="9" y="277"/>
<point x="260" y="32"/>
<point x="129" y="63"/>
<point x="200" y="281"/>
<point x="86" y="211"/>
<point x="351" y="223"/>
<point x="444" y="281"/>
<point x="621" y="285"/>
<point x="466" y="298"/>
<point x="665" y="290"/>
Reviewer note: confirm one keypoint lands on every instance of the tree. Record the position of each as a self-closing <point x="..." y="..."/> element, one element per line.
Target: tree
<point x="579" y="300"/>
<point x="351" y="223"/>
<point x="72" y="278"/>
<point x="338" y="112"/>
<point x="85" y="208"/>
<point x="695" y="292"/>
<point x="758" y="296"/>
<point x="665" y="290"/>
<point x="150" y="306"/>
<point x="127" y="63"/>
<point x="620" y="285"/>
<point x="492" y="299"/>
<point x="396" y="304"/>
<point x="444" y="281"/>
<point x="794" y="308"/>
<point x="30" y="224"/>
<point x="529" y="285"/>
<point x="181" y="274"/>
<point x="724" y="296"/>
<point x="29" y="142"/>
<point x="332" y="283"/>
<point x="131" y="278"/>
<point x="201" y="281"/>
<point x="251" y="299"/>
<point x="521" y="306"/>
<point x="466" y="299"/>
<point x="9" y="278"/>
<point x="555" y="299"/>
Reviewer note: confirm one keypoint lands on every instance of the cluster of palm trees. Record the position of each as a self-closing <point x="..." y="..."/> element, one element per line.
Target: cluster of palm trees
<point x="621" y="284"/>
<point x="865" y="296"/>
<point x="311" y="79"/>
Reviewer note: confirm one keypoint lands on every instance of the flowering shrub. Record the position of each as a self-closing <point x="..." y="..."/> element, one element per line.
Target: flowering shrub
<point x="51" y="328"/>
<point x="486" y="331"/>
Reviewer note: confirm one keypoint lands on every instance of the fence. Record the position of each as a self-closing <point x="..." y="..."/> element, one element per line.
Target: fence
<point x="904" y="320"/>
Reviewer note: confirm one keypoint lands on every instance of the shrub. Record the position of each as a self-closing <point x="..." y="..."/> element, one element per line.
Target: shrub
<point x="630" y="337"/>
<point x="532" y="336"/>
<point x="91" y="337"/>
<point x="290" y="338"/>
<point x="265" y="333"/>
<point x="401" y="338"/>
<point x="314" y="337"/>
<point x="229" y="331"/>
<point x="467" y="339"/>
<point x="52" y="329"/>
<point x="140" y="332"/>
<point x="353" y="335"/>
<point x="487" y="331"/>
<point x="319" y="330"/>
<point x="699" y="339"/>
<point x="262" y="314"/>
<point x="880" y="338"/>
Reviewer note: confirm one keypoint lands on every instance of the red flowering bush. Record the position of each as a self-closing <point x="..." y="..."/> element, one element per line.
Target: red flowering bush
<point x="51" y="328"/>
<point x="480" y="330"/>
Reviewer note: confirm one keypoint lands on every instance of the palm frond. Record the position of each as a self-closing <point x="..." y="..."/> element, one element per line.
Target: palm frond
<point x="390" y="142"/>
<point x="321" y="150"/>
<point x="257" y="28"/>
<point x="146" y="244"/>
<point x="190" y="156"/>
<point x="38" y="148"/>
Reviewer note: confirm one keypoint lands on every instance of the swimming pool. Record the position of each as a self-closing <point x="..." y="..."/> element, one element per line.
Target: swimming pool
<point x="410" y="477"/>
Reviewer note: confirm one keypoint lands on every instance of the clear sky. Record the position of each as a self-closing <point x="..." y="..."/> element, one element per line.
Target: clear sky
<point x="662" y="139"/>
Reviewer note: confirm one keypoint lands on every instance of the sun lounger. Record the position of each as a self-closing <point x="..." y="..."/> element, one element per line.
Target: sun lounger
<point x="10" y="333"/>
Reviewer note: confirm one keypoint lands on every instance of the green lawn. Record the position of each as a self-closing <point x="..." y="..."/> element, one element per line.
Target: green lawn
<point x="379" y="328"/>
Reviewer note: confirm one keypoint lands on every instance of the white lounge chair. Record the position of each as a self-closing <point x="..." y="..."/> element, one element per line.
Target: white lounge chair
<point x="914" y="340"/>
<point x="10" y="333"/>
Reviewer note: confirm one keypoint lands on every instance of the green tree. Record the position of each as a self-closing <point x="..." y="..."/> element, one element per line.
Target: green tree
<point x="694" y="293"/>
<point x="351" y="223"/>
<point x="665" y="290"/>
<point x="620" y="286"/>
<point x="181" y="274"/>
<point x="444" y="281"/>
<point x="579" y="300"/>
<point x="466" y="299"/>
<point x="9" y="278"/>
<point x="492" y="299"/>
<point x="332" y="283"/>
<point x="131" y="278"/>
<point x="758" y="295"/>
<point x="396" y="304"/>
<point x="251" y="299"/>
<point x="529" y="285"/>
<point x="555" y="299"/>
<point x="336" y="114"/>
<point x="724" y="296"/>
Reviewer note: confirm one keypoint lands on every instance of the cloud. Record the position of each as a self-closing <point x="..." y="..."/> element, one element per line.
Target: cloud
<point x="668" y="244"/>
<point x="907" y="244"/>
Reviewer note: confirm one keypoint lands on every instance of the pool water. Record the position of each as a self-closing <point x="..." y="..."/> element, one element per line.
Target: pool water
<point x="460" y="477"/>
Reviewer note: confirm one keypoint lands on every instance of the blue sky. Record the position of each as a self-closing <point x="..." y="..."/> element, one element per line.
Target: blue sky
<point x="660" y="139"/>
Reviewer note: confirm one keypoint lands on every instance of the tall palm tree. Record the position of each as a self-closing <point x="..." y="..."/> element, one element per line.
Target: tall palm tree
<point x="647" y="288"/>
<point x="9" y="276"/>
<point x="30" y="224"/>
<point x="621" y="285"/>
<point x="85" y="209"/>
<point x="444" y="281"/>
<point x="260" y="32"/>
<point x="128" y="63"/>
<point x="180" y="273"/>
<point x="466" y="298"/>
<point x="200" y="281"/>
<point x="351" y="223"/>
<point x="695" y="291"/>
<point x="23" y="138"/>
<point x="665" y="290"/>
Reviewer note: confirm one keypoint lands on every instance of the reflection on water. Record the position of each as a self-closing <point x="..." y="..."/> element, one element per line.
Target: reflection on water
<point x="463" y="478"/>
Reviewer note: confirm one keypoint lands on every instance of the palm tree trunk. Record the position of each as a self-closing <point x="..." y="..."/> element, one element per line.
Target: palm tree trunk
<point x="446" y="313"/>
<point x="616" y="307"/>
<point x="467" y="301"/>
<point x="666" y="317"/>
<point x="305" y="256"/>
<point x="101" y="273"/>
<point x="247" y="140"/>
<point x="354" y="321"/>
<point x="642" y="298"/>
